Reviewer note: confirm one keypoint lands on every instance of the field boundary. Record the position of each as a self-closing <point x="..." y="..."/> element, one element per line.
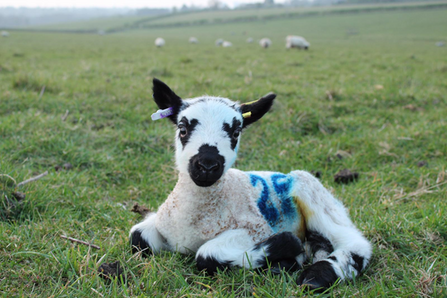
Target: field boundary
<point x="318" y="12"/>
<point x="337" y="10"/>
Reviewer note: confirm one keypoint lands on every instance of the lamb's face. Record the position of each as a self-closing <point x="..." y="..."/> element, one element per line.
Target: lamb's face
<point x="208" y="130"/>
<point x="207" y="138"/>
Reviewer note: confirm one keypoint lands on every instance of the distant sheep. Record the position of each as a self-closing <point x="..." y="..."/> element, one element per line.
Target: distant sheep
<point x="227" y="44"/>
<point x="159" y="42"/>
<point x="193" y="40"/>
<point x="293" y="41"/>
<point x="265" y="43"/>
<point x="249" y="40"/>
<point x="219" y="42"/>
<point x="5" y="33"/>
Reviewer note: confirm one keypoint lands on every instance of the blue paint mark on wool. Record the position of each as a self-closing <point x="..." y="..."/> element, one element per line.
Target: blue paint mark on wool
<point x="265" y="205"/>
<point x="274" y="202"/>
<point x="283" y="184"/>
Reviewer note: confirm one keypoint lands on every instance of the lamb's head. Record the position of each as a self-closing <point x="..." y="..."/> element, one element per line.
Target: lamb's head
<point x="208" y="130"/>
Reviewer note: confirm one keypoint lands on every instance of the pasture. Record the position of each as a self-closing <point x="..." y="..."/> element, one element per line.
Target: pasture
<point x="369" y="96"/>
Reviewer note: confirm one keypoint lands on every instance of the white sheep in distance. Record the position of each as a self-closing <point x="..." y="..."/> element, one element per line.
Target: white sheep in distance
<point x="227" y="44"/>
<point x="219" y="42"/>
<point x="159" y="42"/>
<point x="293" y="41"/>
<point x="265" y="43"/>
<point x="5" y="33"/>
<point x="193" y="40"/>
<point x="249" y="40"/>
<point x="227" y="217"/>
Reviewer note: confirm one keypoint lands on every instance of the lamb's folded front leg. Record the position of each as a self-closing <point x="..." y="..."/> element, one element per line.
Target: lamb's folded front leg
<point x="145" y="237"/>
<point x="237" y="248"/>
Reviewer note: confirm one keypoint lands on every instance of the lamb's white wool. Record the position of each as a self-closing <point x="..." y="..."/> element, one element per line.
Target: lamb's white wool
<point x="228" y="217"/>
<point x="226" y="205"/>
<point x="5" y="33"/>
<point x="219" y="42"/>
<point x="249" y="40"/>
<point x="193" y="40"/>
<point x="265" y="43"/>
<point x="299" y="42"/>
<point x="159" y="42"/>
<point x="227" y="44"/>
<point x="235" y="245"/>
<point x="149" y="231"/>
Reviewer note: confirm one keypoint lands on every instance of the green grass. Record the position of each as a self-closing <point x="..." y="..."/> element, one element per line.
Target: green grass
<point x="372" y="88"/>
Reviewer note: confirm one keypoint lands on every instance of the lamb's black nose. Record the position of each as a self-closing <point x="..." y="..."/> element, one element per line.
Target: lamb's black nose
<point x="206" y="167"/>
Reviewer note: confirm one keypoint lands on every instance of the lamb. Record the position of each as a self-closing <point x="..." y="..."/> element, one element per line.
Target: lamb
<point x="5" y="33"/>
<point x="227" y="217"/>
<point x="193" y="40"/>
<point x="299" y="42"/>
<point x="265" y="43"/>
<point x="159" y="42"/>
<point x="227" y="44"/>
<point x="219" y="42"/>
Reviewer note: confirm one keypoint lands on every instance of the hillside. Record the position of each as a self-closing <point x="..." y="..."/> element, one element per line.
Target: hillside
<point x="94" y="25"/>
<point x="117" y="24"/>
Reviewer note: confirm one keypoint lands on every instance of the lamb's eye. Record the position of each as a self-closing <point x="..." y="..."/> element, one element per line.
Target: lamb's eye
<point x="182" y="129"/>
<point x="236" y="133"/>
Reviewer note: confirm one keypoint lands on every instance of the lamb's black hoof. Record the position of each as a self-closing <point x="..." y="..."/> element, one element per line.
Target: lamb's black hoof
<point x="139" y="244"/>
<point x="280" y="252"/>
<point x="211" y="265"/>
<point x="319" y="276"/>
<point x="281" y="247"/>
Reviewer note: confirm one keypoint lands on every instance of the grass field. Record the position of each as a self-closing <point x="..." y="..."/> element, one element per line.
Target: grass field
<point x="369" y="95"/>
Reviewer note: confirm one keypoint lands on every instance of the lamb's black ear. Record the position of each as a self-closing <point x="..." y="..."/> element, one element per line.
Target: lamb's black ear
<point x="253" y="111"/>
<point x="165" y="98"/>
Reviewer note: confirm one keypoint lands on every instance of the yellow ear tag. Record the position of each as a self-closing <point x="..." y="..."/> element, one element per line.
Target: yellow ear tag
<point x="248" y="114"/>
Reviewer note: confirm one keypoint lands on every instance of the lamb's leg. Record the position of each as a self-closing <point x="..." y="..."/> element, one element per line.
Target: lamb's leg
<point x="145" y="237"/>
<point x="339" y="250"/>
<point x="236" y="248"/>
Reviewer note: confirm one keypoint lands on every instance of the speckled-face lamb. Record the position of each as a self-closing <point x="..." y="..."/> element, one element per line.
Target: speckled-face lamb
<point x="228" y="217"/>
